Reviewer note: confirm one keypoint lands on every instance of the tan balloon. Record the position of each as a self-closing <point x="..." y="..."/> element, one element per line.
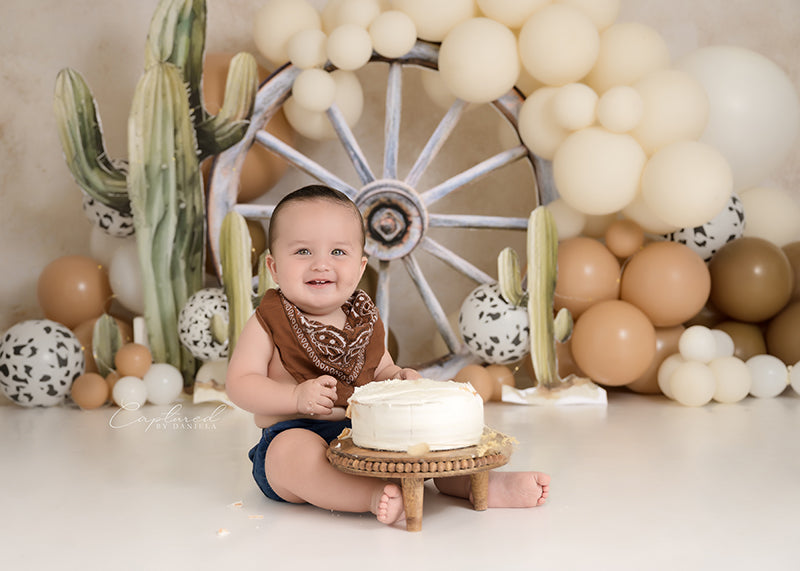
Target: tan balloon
<point x="73" y="289"/>
<point x="587" y="274"/>
<point x="668" y="281"/>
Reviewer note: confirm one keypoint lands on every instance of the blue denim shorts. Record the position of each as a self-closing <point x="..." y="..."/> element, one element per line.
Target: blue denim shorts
<point x="327" y="429"/>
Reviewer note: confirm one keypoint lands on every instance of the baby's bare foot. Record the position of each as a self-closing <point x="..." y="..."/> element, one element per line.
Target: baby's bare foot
<point x="518" y="489"/>
<point x="388" y="505"/>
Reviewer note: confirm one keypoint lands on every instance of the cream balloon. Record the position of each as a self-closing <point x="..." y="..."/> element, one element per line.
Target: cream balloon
<point x="393" y="34"/>
<point x="627" y="52"/>
<point x="675" y="109"/>
<point x="733" y="379"/>
<point x="620" y="109"/>
<point x="687" y="183"/>
<point x="102" y="246"/>
<point x="478" y="60"/>
<point x="697" y="343"/>
<point x="435" y="88"/>
<point x="537" y="126"/>
<point x="772" y="214"/>
<point x="125" y="277"/>
<point x="511" y="13"/>
<point x="434" y="20"/>
<point x="358" y="12"/>
<point x="307" y="48"/>
<point x="569" y="222"/>
<point x="558" y="44"/>
<point x="643" y="215"/>
<point x="575" y="106"/>
<point x="349" y="47"/>
<point x="316" y="125"/>
<point x="693" y="383"/>
<point x="314" y="89"/>
<point x="596" y="171"/>
<point x="665" y="371"/>
<point x="277" y="21"/>
<point x="602" y="13"/>
<point x="754" y="112"/>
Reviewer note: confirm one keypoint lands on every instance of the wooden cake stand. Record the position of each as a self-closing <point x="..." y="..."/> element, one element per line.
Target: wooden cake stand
<point x="474" y="461"/>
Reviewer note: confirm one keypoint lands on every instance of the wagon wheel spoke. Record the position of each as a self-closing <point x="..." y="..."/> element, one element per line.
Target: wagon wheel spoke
<point x="455" y="261"/>
<point x="483" y="168"/>
<point x="394" y="98"/>
<point x="435" y="142"/>
<point x="350" y="144"/>
<point x="432" y="303"/>
<point x="477" y="221"/>
<point x="302" y="162"/>
<point x="382" y="294"/>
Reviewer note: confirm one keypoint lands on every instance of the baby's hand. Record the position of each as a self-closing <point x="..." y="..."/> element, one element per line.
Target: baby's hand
<point x="316" y="396"/>
<point x="407" y="374"/>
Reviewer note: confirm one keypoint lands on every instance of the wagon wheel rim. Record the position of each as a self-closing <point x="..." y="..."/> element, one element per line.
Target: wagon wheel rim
<point x="396" y="212"/>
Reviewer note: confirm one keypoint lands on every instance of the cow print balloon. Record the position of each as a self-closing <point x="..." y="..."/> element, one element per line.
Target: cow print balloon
<point x="493" y="329"/>
<point x="726" y="226"/>
<point x="39" y="359"/>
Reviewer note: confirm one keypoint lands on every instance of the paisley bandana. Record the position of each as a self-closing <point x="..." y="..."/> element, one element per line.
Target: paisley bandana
<point x="340" y="353"/>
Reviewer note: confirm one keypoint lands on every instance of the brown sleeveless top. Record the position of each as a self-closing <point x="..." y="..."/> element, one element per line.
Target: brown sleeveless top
<point x="308" y="348"/>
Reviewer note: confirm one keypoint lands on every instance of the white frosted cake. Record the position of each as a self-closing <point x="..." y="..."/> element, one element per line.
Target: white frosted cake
<point x="416" y="415"/>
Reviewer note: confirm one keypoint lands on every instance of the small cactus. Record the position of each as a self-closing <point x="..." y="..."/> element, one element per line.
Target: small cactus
<point x="541" y="278"/>
<point x="235" y="245"/>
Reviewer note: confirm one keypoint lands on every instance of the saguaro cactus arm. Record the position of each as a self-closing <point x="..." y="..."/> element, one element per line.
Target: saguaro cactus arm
<point x="81" y="136"/>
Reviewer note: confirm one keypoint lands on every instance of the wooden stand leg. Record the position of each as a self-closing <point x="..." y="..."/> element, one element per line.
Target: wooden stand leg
<point x="479" y="486"/>
<point x="412" y="502"/>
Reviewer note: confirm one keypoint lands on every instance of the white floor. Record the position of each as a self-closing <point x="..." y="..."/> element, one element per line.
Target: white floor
<point x="641" y="484"/>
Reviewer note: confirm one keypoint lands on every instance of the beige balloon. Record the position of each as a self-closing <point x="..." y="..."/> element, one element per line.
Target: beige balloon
<point x="478" y="60"/>
<point x="602" y="13"/>
<point x="315" y="124"/>
<point x="627" y="52"/>
<point x="620" y="109"/>
<point x="558" y="45"/>
<point x="596" y="171"/>
<point x="277" y="21"/>
<point x="675" y="109"/>
<point x="771" y="213"/>
<point x="537" y="126"/>
<point x="434" y="20"/>
<point x="687" y="183"/>
<point x="511" y="13"/>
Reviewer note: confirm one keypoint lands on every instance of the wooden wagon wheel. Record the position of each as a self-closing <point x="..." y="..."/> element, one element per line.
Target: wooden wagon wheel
<point x="396" y="211"/>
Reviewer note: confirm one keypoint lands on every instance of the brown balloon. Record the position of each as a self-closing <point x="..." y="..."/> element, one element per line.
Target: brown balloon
<point x="587" y="273"/>
<point x="613" y="342"/>
<point x="783" y="334"/>
<point x="72" y="289"/>
<point x="708" y="316"/>
<point x="792" y="252"/>
<point x="748" y="340"/>
<point x="668" y="281"/>
<point x="751" y="279"/>
<point x="666" y="344"/>
<point x="624" y="238"/>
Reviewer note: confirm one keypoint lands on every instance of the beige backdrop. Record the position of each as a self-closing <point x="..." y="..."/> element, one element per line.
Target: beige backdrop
<point x="40" y="211"/>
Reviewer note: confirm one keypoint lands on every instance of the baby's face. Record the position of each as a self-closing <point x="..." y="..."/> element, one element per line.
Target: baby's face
<point x="316" y="258"/>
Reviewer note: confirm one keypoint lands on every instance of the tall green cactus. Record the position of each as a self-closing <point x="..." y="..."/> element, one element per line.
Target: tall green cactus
<point x="545" y="330"/>
<point x="169" y="133"/>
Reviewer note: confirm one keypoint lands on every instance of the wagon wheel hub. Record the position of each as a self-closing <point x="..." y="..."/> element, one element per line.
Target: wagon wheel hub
<point x="395" y="217"/>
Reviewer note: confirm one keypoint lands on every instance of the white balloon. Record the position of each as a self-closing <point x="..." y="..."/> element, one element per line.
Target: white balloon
<point x="434" y="20"/>
<point x="794" y="377"/>
<point x="733" y="379"/>
<point x="164" y="383"/>
<point x="277" y="21"/>
<point x="697" y="343"/>
<point x="314" y="89"/>
<point x="129" y="392"/>
<point x="537" y="125"/>
<point x="754" y="113"/>
<point x="307" y="48"/>
<point x="575" y="106"/>
<point x="125" y="277"/>
<point x="620" y="109"/>
<point x="602" y="13"/>
<point x="724" y="342"/>
<point x="102" y="245"/>
<point x="349" y="47"/>
<point x="393" y="34"/>
<point x="770" y="376"/>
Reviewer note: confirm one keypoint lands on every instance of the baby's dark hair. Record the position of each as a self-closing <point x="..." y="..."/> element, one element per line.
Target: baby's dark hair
<point x="314" y="192"/>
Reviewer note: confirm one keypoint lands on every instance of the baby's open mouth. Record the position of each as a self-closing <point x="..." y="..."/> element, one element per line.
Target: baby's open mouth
<point x="318" y="282"/>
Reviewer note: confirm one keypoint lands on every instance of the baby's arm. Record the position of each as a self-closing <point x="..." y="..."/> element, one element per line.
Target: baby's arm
<point x="249" y="386"/>
<point x="388" y="370"/>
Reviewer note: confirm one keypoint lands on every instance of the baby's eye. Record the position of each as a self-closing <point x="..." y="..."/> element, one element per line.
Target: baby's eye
<point x="338" y="252"/>
<point x="303" y="252"/>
